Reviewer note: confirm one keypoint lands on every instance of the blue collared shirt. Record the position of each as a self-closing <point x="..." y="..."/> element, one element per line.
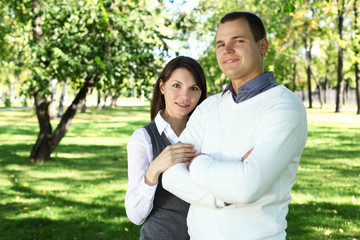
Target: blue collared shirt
<point x="253" y="87"/>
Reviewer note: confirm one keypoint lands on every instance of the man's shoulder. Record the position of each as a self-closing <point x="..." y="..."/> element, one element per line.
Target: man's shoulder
<point x="213" y="98"/>
<point x="284" y="97"/>
<point x="280" y="92"/>
<point x="287" y="93"/>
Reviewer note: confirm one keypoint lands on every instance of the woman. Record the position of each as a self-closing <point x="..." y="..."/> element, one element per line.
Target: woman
<point x="154" y="148"/>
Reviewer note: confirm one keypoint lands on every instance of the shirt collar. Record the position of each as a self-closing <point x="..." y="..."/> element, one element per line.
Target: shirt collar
<point x="254" y="85"/>
<point x="161" y="124"/>
<point x="164" y="127"/>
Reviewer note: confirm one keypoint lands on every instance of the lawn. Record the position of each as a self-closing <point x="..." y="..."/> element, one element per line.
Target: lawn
<point x="80" y="193"/>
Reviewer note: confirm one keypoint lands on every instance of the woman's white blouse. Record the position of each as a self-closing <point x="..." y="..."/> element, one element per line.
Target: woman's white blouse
<point x="140" y="196"/>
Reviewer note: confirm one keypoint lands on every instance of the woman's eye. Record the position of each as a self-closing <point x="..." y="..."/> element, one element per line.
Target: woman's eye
<point x="195" y="88"/>
<point x="176" y="85"/>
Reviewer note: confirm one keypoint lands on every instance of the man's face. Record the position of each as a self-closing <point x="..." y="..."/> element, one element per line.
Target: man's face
<point x="239" y="57"/>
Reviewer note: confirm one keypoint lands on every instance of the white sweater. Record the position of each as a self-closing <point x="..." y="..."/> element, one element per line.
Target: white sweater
<point x="275" y="124"/>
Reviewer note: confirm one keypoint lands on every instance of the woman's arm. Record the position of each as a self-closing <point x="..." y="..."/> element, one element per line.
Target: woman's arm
<point x="143" y="172"/>
<point x="171" y="155"/>
<point x="139" y="195"/>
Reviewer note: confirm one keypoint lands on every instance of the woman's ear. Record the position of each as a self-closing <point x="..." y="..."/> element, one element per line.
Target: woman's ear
<point x="162" y="86"/>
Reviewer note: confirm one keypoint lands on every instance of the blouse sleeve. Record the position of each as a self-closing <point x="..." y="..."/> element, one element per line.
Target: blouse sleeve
<point x="139" y="196"/>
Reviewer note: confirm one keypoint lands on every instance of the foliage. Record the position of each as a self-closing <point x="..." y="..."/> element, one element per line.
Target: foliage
<point x="81" y="193"/>
<point x="127" y="42"/>
<point x="110" y="44"/>
<point x="287" y="23"/>
<point x="123" y="42"/>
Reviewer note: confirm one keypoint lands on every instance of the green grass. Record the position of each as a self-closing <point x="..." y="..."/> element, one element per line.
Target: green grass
<point x="326" y="203"/>
<point x="80" y="193"/>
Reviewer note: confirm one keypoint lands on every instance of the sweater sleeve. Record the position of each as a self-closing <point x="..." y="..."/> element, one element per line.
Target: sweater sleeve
<point x="177" y="179"/>
<point x="280" y="139"/>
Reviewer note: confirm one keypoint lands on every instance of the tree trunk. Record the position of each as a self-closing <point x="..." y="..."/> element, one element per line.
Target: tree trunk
<point x="105" y="97"/>
<point x="340" y="84"/>
<point x="98" y="105"/>
<point x="346" y="91"/>
<point x="308" y="71"/>
<point x="47" y="141"/>
<point x="326" y="83"/>
<point x="357" y="86"/>
<point x="295" y="69"/>
<point x="61" y="100"/>
<point x="83" y="107"/>
<point x="302" y="94"/>
<point x="41" y="149"/>
<point x="357" y="71"/>
<point x="114" y="98"/>
<point x="318" y="86"/>
<point x="52" y="107"/>
<point x="65" y="121"/>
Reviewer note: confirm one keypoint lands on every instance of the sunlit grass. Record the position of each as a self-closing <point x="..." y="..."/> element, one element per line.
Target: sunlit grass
<point x="80" y="193"/>
<point x="326" y="193"/>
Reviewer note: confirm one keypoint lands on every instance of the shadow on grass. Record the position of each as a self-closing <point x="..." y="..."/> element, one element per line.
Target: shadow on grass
<point x="312" y="220"/>
<point x="100" y="219"/>
<point x="330" y="133"/>
<point x="29" y="213"/>
<point x="108" y="159"/>
<point x="97" y="223"/>
<point x="85" y="183"/>
<point x="27" y="130"/>
<point x="105" y="129"/>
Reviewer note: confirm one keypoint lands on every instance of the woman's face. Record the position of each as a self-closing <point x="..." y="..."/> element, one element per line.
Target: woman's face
<point x="181" y="93"/>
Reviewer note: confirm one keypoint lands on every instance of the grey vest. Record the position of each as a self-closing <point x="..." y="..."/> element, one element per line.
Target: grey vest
<point x="167" y="220"/>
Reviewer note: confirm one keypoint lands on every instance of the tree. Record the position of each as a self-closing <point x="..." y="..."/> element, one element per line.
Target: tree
<point x="342" y="6"/>
<point x="83" y="44"/>
<point x="357" y="59"/>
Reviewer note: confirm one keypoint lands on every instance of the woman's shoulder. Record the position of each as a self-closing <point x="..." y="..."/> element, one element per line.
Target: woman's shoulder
<point x="140" y="136"/>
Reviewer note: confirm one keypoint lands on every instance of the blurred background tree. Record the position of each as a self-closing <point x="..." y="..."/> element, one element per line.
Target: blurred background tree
<point x="117" y="48"/>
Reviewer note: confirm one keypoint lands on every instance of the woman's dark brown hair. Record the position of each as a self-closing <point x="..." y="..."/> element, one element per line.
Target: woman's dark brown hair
<point x="158" y="101"/>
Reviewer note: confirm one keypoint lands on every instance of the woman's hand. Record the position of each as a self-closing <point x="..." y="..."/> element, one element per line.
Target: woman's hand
<point x="171" y="155"/>
<point x="247" y="154"/>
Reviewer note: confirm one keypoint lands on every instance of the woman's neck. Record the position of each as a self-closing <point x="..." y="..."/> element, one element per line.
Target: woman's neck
<point x="177" y="124"/>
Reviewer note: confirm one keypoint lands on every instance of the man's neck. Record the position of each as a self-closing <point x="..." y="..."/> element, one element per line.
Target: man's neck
<point x="236" y="83"/>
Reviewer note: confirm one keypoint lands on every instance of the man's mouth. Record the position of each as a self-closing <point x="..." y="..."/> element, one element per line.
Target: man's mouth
<point x="232" y="60"/>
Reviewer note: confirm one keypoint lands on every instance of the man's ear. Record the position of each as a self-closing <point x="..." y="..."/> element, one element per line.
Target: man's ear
<point x="264" y="46"/>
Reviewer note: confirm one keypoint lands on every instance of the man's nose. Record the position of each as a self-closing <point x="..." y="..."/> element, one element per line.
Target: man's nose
<point x="229" y="47"/>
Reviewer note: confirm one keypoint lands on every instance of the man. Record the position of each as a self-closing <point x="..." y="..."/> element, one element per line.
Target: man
<point x="250" y="138"/>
